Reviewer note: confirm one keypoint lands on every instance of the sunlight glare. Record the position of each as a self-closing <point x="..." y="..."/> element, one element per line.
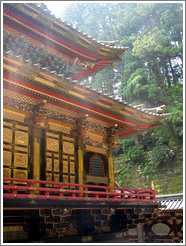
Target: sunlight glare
<point x="57" y="7"/>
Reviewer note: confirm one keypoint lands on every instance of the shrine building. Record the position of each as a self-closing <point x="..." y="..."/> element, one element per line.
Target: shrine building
<point x="59" y="133"/>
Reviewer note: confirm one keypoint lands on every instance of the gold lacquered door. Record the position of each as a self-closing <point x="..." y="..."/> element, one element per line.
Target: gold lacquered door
<point x="68" y="159"/>
<point x="60" y="158"/>
<point x="16" y="150"/>
<point x="52" y="157"/>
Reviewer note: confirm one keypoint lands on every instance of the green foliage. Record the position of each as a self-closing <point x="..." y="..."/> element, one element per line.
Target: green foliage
<point x="151" y="72"/>
<point x="135" y="153"/>
<point x="160" y="155"/>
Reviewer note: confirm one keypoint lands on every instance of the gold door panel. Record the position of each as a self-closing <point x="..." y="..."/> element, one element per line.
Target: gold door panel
<point x="21" y="138"/>
<point x="68" y="148"/>
<point x="65" y="166"/>
<point x="7" y="135"/>
<point x="52" y="144"/>
<point x="48" y="164"/>
<point x="72" y="168"/>
<point x="21" y="160"/>
<point x="16" y="151"/>
<point x="7" y="158"/>
<point x="56" y="165"/>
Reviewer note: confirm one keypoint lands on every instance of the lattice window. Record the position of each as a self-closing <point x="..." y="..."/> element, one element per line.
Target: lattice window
<point x="96" y="166"/>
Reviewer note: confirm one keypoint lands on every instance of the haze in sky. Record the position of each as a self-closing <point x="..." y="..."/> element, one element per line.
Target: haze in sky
<point x="57" y="7"/>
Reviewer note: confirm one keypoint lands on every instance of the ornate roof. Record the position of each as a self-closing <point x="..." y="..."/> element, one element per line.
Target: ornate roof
<point x="47" y="59"/>
<point x="78" y="54"/>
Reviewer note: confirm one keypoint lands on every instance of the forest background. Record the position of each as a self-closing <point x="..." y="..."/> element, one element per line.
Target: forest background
<point x="151" y="72"/>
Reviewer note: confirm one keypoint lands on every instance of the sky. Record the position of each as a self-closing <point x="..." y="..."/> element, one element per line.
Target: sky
<point x="57" y="7"/>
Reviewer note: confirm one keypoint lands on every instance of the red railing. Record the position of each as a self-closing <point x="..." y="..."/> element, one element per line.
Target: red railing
<point x="37" y="189"/>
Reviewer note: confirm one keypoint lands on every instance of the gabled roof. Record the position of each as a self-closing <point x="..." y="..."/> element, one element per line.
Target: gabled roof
<point x="85" y="53"/>
<point x="36" y="41"/>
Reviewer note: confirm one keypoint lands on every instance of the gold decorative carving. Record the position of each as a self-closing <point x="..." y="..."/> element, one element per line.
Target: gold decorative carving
<point x="56" y="177"/>
<point x="17" y="148"/>
<point x="21" y="138"/>
<point x="7" y="135"/>
<point x="56" y="165"/>
<point x="56" y="155"/>
<point x="65" y="178"/>
<point x="65" y="157"/>
<point x="59" y="128"/>
<point x="20" y="160"/>
<point x="7" y="114"/>
<point x="72" y="158"/>
<point x="20" y="174"/>
<point x="7" y="172"/>
<point x="48" y="154"/>
<point x="96" y="149"/>
<point x="25" y="128"/>
<point x="52" y="144"/>
<point x="65" y="166"/>
<point x="68" y="139"/>
<point x="52" y="135"/>
<point x="7" y="158"/>
<point x="6" y="146"/>
<point x="72" y="179"/>
<point x="48" y="176"/>
<point x="72" y="167"/>
<point x="7" y="123"/>
<point x="48" y="164"/>
<point x="68" y="148"/>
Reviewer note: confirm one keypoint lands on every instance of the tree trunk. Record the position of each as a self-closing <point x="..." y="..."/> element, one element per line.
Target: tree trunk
<point x="172" y="71"/>
<point x="167" y="76"/>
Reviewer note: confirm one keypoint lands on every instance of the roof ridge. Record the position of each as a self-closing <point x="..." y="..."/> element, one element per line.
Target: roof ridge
<point x="46" y="9"/>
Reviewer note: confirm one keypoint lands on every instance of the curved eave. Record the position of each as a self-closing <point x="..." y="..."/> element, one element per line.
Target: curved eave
<point x="101" y="55"/>
<point x="97" y="48"/>
<point x="127" y="125"/>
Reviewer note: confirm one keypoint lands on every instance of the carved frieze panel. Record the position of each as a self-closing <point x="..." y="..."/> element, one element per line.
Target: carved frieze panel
<point x="95" y="149"/>
<point x="10" y="115"/>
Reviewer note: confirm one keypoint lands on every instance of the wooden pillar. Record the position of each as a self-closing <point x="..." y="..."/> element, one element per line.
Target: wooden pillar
<point x="80" y="165"/>
<point x="140" y="233"/>
<point x="37" y="153"/>
<point x="111" y="170"/>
